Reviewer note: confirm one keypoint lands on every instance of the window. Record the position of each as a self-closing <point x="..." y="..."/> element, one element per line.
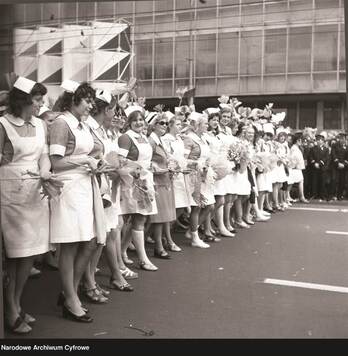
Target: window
<point x="164" y="5"/>
<point x="205" y="55"/>
<point x="325" y="48"/>
<point x="50" y="12"/>
<point x="162" y="88"/>
<point x="33" y="14"/>
<point x="143" y="50"/>
<point x="68" y="11"/>
<point x="86" y="11"/>
<point x="275" y="51"/>
<point x="276" y="11"/>
<point x="250" y="52"/>
<point x="182" y="54"/>
<point x="164" y="58"/>
<point x="251" y="13"/>
<point x="105" y="9"/>
<point x="308" y="114"/>
<point x="342" y="50"/>
<point x="332" y="115"/>
<point x="228" y="53"/>
<point x="300" y="43"/>
<point x="290" y="118"/>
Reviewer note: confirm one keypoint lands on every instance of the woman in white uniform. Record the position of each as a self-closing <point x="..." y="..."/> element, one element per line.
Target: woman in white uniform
<point x="231" y="188"/>
<point x="163" y="182"/>
<point x="201" y="192"/>
<point x="24" y="214"/>
<point x="104" y="109"/>
<point x="77" y="216"/>
<point x="139" y="201"/>
<point x="218" y="151"/>
<point x="174" y="145"/>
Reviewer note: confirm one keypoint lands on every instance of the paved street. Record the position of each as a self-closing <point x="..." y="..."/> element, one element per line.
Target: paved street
<point x="220" y="292"/>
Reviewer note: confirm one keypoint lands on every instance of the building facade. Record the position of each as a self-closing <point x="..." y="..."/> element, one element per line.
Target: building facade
<point x="290" y="52"/>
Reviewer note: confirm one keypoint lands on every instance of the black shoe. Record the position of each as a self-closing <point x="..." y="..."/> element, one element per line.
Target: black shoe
<point x="68" y="314"/>
<point x="61" y="301"/>
<point x="164" y="255"/>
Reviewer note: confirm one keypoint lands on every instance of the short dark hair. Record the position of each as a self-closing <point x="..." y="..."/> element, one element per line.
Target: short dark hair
<point x="215" y="131"/>
<point x="38" y="89"/>
<point x="17" y="101"/>
<point x="67" y="99"/>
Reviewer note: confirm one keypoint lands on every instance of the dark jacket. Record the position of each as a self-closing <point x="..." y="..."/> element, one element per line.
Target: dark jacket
<point x="319" y="155"/>
<point x="339" y="154"/>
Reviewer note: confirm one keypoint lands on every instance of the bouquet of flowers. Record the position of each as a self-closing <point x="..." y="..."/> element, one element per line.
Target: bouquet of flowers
<point x="263" y="161"/>
<point x="50" y="188"/>
<point x="239" y="153"/>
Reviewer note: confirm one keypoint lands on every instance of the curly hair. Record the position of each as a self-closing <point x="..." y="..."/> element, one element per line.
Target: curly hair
<point x="17" y="101"/>
<point x="38" y="89"/>
<point x="215" y="131"/>
<point x="67" y="99"/>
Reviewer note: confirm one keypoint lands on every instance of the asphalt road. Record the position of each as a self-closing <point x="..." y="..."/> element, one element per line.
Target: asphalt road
<point x="220" y="292"/>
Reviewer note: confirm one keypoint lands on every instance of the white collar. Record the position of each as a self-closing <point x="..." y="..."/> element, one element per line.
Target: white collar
<point x="17" y="121"/>
<point x="156" y="139"/>
<point x="72" y="120"/>
<point x="134" y="134"/>
<point x="92" y="123"/>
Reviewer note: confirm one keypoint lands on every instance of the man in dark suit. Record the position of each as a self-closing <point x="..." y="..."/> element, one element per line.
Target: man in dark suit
<point x="339" y="157"/>
<point x="319" y="158"/>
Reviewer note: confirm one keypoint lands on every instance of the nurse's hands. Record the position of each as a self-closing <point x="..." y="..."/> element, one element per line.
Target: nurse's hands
<point x="92" y="163"/>
<point x="45" y="175"/>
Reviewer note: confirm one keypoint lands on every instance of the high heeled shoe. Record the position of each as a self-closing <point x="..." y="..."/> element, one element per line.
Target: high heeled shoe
<point x="68" y="314"/>
<point x="126" y="287"/>
<point x="164" y="255"/>
<point x="61" y="301"/>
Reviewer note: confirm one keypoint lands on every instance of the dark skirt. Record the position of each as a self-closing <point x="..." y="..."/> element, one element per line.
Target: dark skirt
<point x="165" y="204"/>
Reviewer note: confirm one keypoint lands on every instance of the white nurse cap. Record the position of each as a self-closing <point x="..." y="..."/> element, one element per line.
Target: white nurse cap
<point x="44" y="109"/>
<point x="24" y="84"/>
<point x="268" y="128"/>
<point x="150" y="115"/>
<point x="195" y="116"/>
<point x="70" y="86"/>
<point x="133" y="108"/>
<point x="103" y="95"/>
<point x="211" y="111"/>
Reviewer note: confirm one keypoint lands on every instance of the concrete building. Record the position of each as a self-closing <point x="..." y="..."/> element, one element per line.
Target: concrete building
<point x="290" y="52"/>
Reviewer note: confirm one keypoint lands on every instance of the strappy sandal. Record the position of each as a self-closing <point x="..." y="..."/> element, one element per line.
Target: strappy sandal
<point x="19" y="327"/>
<point x="147" y="266"/>
<point x="95" y="296"/>
<point x="174" y="247"/>
<point x="129" y="274"/>
<point x="126" y="287"/>
<point x="127" y="260"/>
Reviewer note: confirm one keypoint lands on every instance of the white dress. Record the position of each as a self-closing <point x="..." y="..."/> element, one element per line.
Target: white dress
<point x="175" y="146"/>
<point x="128" y="204"/>
<point x="24" y="215"/>
<point x="295" y="174"/>
<point x="111" y="212"/>
<point x="206" y="189"/>
<point x="216" y="147"/>
<point x="264" y="179"/>
<point x="230" y="181"/>
<point x="77" y="215"/>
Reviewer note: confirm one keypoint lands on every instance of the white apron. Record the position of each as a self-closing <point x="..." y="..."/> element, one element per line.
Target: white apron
<point x="24" y="216"/>
<point x="111" y="212"/>
<point x="175" y="146"/>
<point x="77" y="214"/>
<point x="128" y="204"/>
<point x="207" y="189"/>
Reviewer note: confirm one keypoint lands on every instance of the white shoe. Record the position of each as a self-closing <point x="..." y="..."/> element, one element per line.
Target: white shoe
<point x="199" y="243"/>
<point x="242" y="224"/>
<point x="224" y="232"/>
<point x="285" y="205"/>
<point x="262" y="218"/>
<point x="188" y="234"/>
<point x="265" y="213"/>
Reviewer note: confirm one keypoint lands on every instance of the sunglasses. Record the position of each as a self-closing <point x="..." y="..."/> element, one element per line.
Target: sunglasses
<point x="163" y="123"/>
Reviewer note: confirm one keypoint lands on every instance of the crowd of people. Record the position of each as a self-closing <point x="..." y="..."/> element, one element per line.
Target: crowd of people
<point x="91" y="177"/>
